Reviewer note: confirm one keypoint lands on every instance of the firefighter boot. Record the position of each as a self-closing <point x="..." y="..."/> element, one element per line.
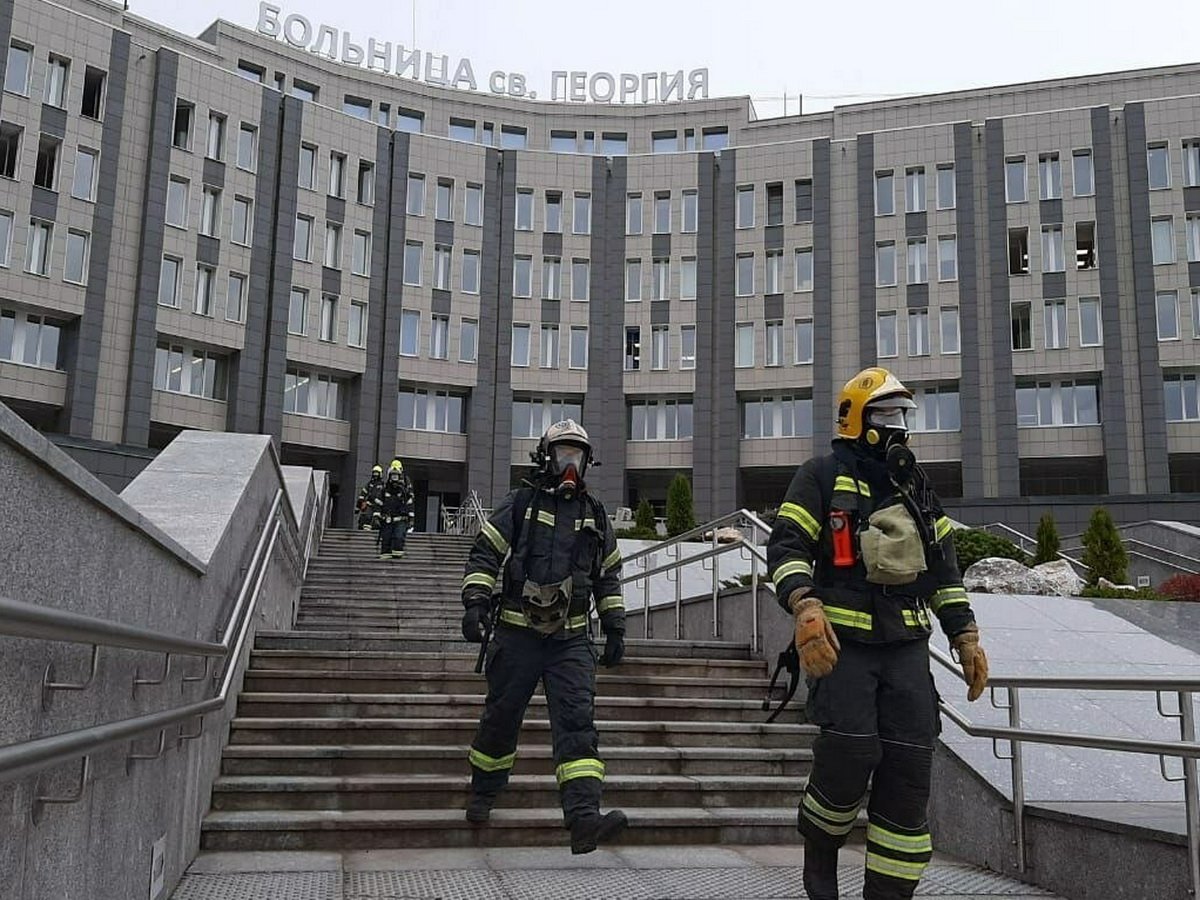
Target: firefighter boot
<point x="820" y="871"/>
<point x="587" y="832"/>
<point x="479" y="808"/>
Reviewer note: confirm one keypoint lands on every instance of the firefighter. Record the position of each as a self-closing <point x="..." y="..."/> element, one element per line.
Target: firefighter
<point x="861" y="554"/>
<point x="396" y="511"/>
<point x="370" y="499"/>
<point x="546" y="552"/>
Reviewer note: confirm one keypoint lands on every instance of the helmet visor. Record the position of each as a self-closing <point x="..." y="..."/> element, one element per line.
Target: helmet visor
<point x="567" y="455"/>
<point x="887" y="417"/>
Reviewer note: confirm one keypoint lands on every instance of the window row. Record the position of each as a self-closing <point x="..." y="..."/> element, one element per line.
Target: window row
<point x="1159" y="165"/>
<point x="660" y="348"/>
<point x="190" y="370"/>
<point x="1050" y="179"/>
<point x="660" y="420"/>
<point x="29" y="338"/>
<point x="425" y="409"/>
<point x="1055" y="330"/>
<point x="444" y="200"/>
<point x="802" y="203"/>
<point x="1053" y="254"/>
<point x="918" y="331"/>
<point x="58" y="84"/>
<point x="332" y="254"/>
<point x="439" y="336"/>
<point x="746" y="338"/>
<point x="205" y="297"/>
<point x="917" y="261"/>
<point x="312" y="393"/>
<point x="49" y="162"/>
<point x="1163" y="236"/>
<point x="39" y="249"/>
<point x="915" y="195"/>
<point x="531" y="416"/>
<point x="330" y="318"/>
<point x="1055" y="403"/>
<point x="469" y="275"/>
<point x="1167" y="314"/>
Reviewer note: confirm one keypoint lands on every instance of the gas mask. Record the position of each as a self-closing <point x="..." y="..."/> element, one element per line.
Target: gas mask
<point x="886" y="427"/>
<point x="567" y="463"/>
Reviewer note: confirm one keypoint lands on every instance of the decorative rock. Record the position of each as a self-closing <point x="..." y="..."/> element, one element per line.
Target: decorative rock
<point x="1061" y="576"/>
<point x="1108" y="585"/>
<point x="726" y="535"/>
<point x="995" y="575"/>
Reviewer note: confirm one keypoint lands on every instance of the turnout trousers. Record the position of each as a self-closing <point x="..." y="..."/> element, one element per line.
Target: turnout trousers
<point x="517" y="659"/>
<point x="393" y="534"/>
<point x="878" y="715"/>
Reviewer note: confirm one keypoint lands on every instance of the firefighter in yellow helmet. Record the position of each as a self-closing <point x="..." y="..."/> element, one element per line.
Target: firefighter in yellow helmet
<point x="861" y="555"/>
<point x="370" y="501"/>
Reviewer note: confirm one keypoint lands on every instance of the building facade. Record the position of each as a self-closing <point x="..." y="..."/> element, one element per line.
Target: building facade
<point x="230" y="233"/>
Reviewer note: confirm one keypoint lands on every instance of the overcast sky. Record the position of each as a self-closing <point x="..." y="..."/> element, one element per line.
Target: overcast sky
<point x="831" y="52"/>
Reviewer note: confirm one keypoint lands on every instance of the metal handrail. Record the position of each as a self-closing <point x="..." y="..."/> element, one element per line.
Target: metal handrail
<point x="1129" y="543"/>
<point x="29" y="757"/>
<point x="1186" y="748"/>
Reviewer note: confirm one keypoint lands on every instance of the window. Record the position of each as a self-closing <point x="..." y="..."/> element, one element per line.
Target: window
<point x="210" y="211"/>
<point x="578" y="353"/>
<point x="337" y="175"/>
<point x="308" y="167"/>
<point x="93" y="93"/>
<point x="412" y="263"/>
<point x="302" y="245"/>
<point x="1014" y="180"/>
<point x="16" y="72"/>
<point x="775" y="204"/>
<point x="489" y="134"/>
<point x="298" y="312"/>
<point x="804" y="269"/>
<point x="305" y="91"/>
<point x="177" y="202"/>
<point x="312" y="394"/>
<point x="551" y="278"/>
<point x="580" y="276"/>
<point x="744" y="345"/>
<point x="520" y="345"/>
<point x="776" y="417"/>
<point x="563" y="141"/>
<point x="947" y="249"/>
<point x="1192" y="237"/>
<point x="885" y="264"/>
<point x="664" y="141"/>
<point x="329" y="317"/>
<point x="46" y="173"/>
<point x="553" y="212"/>
<point x="1049" y="177"/>
<point x="548" y="349"/>
<point x="1196" y="312"/>
<point x="357" y="327"/>
<point x="1052" y="249"/>
<point x="415" y="204"/>
<point x="470" y="272"/>
<point x="37" y="255"/>
<point x="439" y="337"/>
<point x="633" y="348"/>
<point x="687" y="347"/>
<point x="83" y="185"/>
<point x="1180" y="395"/>
<point x="660" y="284"/>
<point x="410" y="332"/>
<point x="774" y="261"/>
<point x="662" y="212"/>
<point x="423" y="409"/>
<point x="333" y="245"/>
<point x="918" y="261"/>
<point x="659" y="344"/>
<point x="1162" y="239"/>
<point x="918" y="332"/>
<point x="1191" y="163"/>
<point x="1021" y="316"/>
<point x="1018" y="251"/>
<point x="774" y="343"/>
<point x="442" y="261"/>
<point x="462" y="130"/>
<point x="235" y="298"/>
<point x="660" y="420"/>
<point x="524" y="210"/>
<point x="885" y="335"/>
<point x="745" y="206"/>
<point x="1158" y="161"/>
<point x="804" y="200"/>
<point x="10" y="149"/>
<point x="947" y="194"/>
<point x="714" y="138"/>
<point x="247" y="147"/>
<point x="360" y="109"/>
<point x="512" y="138"/>
<point x="633" y="214"/>
<point x="202" y="305"/>
<point x="410" y="121"/>
<point x="468" y="341"/>
<point x="532" y="416"/>
<point x="687" y="278"/>
<point x="581" y="214"/>
<point x="522" y="276"/>
<point x="1085" y="245"/>
<point x="360" y="252"/>
<point x="242" y="219"/>
<point x="1166" y="304"/>
<point x="75" y="267"/>
<point x="745" y="274"/>
<point x="804" y="342"/>
<point x="949" y="330"/>
<point x="6" y="234"/>
<point x="914" y="190"/>
<point x="473" y="205"/>
<point x="187" y="370"/>
<point x="691" y="212"/>
<point x="1053" y="403"/>
<point x="1091" y="331"/>
<point x="1082" y="174"/>
<point x="56" y="81"/>
<point x="1055" y="312"/>
<point x="885" y="194"/>
<point x="937" y="410"/>
<point x="366" y="183"/>
<point x="614" y="143"/>
<point x="251" y="72"/>
<point x="181" y="132"/>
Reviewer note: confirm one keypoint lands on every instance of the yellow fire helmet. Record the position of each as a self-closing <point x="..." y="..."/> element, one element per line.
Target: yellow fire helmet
<point x="377" y="470"/>
<point x="396" y="466"/>
<point x="867" y="387"/>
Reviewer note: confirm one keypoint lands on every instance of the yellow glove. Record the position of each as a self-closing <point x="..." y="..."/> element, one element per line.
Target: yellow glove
<point x="815" y="641"/>
<point x="973" y="659"/>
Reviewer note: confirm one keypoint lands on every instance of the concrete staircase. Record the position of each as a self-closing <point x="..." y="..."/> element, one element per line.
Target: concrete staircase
<point x="352" y="730"/>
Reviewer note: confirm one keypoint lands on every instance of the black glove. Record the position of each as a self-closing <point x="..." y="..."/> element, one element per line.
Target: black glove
<point x="614" y="648"/>
<point x="474" y="622"/>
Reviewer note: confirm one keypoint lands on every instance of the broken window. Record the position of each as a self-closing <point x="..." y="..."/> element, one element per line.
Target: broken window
<point x="1018" y="251"/>
<point x="181" y="134"/>
<point x="1085" y="245"/>
<point x="46" y="175"/>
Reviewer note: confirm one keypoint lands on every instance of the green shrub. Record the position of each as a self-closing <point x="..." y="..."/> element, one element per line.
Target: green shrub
<point x="1047" y="541"/>
<point x="638" y="534"/>
<point x="1112" y="594"/>
<point x="1103" y="553"/>
<point x="643" y="517"/>
<point x="974" y="544"/>
<point x="681" y="516"/>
